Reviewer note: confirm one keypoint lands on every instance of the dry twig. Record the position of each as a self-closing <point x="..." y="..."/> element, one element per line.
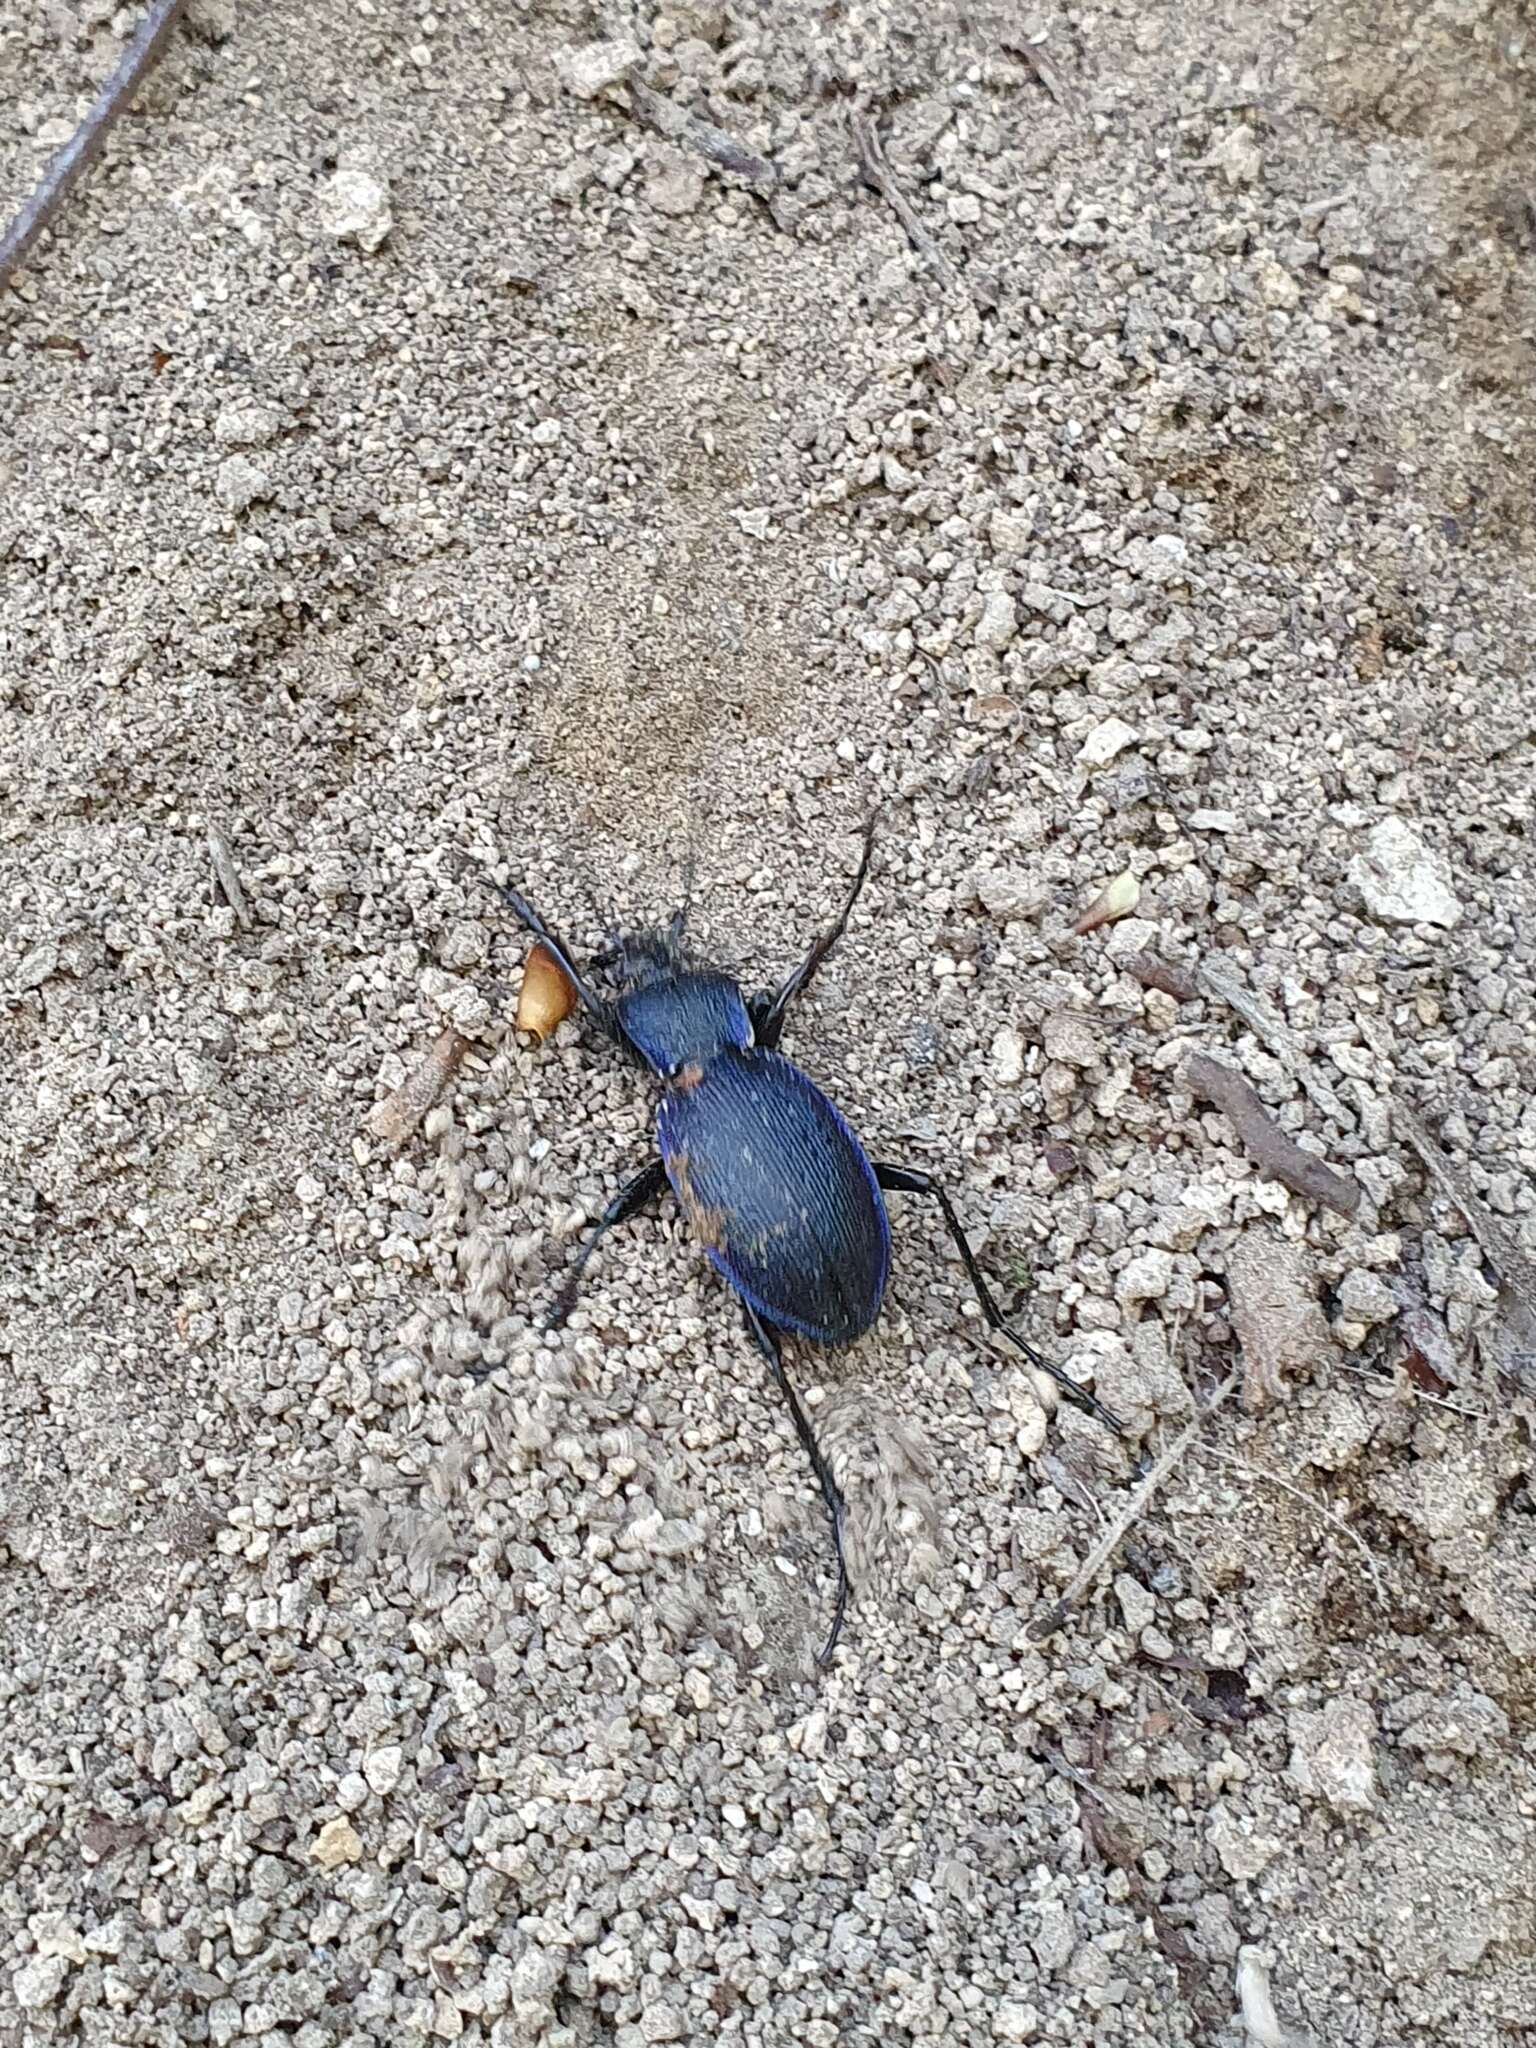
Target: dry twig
<point x="398" y="1114"/>
<point x="1515" y="1345"/>
<point x="227" y="876"/>
<point x="1276" y="1156"/>
<point x="1257" y="1014"/>
<point x="1498" y="1244"/>
<point x="85" y="145"/>
<point x="711" y="142"/>
<point x="1262" y="1019"/>
<point x="879" y="177"/>
<point x="1058" y="1615"/>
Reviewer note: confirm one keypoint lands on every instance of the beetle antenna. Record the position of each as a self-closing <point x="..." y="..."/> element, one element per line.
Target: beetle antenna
<point x="601" y="1012"/>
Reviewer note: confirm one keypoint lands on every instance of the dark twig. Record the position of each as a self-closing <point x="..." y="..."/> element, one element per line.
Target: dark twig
<point x="1276" y="1156"/>
<point x="1498" y="1244"/>
<point x="1057" y="1616"/>
<point x="1517" y="1273"/>
<point x="85" y="145"/>
<point x="879" y="177"/>
<point x="721" y="149"/>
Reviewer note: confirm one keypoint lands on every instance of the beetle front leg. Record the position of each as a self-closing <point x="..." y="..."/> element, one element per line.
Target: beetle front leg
<point x="912" y="1181"/>
<point x="767" y="1339"/>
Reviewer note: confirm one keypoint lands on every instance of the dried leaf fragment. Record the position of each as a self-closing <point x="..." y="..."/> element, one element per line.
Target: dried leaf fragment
<point x="1116" y="899"/>
<point x="1276" y="1315"/>
<point x="546" y="994"/>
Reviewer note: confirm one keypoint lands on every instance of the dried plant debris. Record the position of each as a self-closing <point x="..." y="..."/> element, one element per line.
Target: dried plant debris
<point x="879" y="177"/>
<point x="546" y="996"/>
<point x="1223" y="986"/>
<point x="228" y="877"/>
<point x="616" y="478"/>
<point x="399" y="1114"/>
<point x="1060" y="1613"/>
<point x="711" y="142"/>
<point x="1116" y="899"/>
<point x="1279" y="1323"/>
<point x="1277" y="1156"/>
<point x="1515" y="1339"/>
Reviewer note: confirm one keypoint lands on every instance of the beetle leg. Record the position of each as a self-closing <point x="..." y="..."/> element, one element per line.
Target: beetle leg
<point x="911" y="1181"/>
<point x="768" y="1010"/>
<point x="601" y="1012"/>
<point x="767" y="1338"/>
<point x="634" y="1196"/>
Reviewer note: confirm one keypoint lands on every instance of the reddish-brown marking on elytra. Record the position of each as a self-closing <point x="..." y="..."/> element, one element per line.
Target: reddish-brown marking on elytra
<point x="708" y="1224"/>
<point x="688" y="1078"/>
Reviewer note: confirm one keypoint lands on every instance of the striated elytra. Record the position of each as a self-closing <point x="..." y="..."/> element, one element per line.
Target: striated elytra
<point x="789" y="1208"/>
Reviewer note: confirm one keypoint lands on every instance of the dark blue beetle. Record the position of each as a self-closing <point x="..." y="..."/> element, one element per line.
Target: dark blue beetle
<point x="773" y="1182"/>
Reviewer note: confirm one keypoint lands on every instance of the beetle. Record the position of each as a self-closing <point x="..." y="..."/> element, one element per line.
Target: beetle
<point x="787" y="1204"/>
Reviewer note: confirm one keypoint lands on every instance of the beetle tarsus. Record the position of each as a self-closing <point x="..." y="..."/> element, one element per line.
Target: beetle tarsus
<point x="767" y="1339"/>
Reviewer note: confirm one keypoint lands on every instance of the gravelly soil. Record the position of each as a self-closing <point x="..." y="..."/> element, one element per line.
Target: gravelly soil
<point x="421" y="457"/>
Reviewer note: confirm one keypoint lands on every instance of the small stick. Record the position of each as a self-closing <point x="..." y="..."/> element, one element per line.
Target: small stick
<point x="85" y="145"/>
<point x="1260" y="1018"/>
<point x="227" y="876"/>
<point x="714" y="143"/>
<point x="1154" y="972"/>
<point x="1057" y="1616"/>
<point x="1498" y="1245"/>
<point x="1276" y="1156"/>
<point x="879" y="177"/>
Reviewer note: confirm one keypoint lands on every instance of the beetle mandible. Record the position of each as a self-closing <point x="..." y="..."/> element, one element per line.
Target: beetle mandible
<point x="789" y="1208"/>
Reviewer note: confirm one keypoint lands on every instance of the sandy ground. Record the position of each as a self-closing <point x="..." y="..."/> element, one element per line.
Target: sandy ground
<point x="422" y="455"/>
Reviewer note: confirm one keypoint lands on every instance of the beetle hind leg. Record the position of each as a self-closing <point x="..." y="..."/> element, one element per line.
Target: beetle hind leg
<point x="912" y="1181"/>
<point x="766" y="1338"/>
